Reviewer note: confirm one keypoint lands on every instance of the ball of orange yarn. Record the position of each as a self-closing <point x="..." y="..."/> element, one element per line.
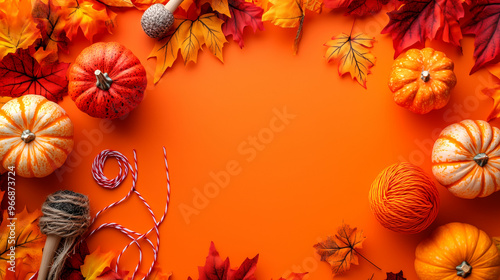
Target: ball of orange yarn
<point x="404" y="199"/>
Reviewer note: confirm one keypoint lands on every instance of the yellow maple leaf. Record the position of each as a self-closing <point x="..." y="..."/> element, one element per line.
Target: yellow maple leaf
<point x="17" y="28"/>
<point x="213" y="37"/>
<point x="291" y="13"/>
<point x="188" y="36"/>
<point x="353" y="55"/>
<point x="95" y="263"/>
<point x="28" y="241"/>
<point x="90" y="17"/>
<point x="220" y="6"/>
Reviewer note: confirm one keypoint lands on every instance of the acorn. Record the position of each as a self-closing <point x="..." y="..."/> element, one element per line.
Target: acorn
<point x="159" y="18"/>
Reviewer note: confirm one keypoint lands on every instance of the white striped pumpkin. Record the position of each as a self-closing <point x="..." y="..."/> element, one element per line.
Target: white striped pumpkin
<point x="36" y="136"/>
<point x="466" y="159"/>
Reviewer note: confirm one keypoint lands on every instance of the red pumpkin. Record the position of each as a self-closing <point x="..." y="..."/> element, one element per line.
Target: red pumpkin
<point x="107" y="81"/>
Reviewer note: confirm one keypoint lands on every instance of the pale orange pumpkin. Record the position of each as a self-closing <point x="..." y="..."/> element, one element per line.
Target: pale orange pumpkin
<point x="466" y="159"/>
<point x="421" y="80"/>
<point x="36" y="136"/>
<point x="457" y="251"/>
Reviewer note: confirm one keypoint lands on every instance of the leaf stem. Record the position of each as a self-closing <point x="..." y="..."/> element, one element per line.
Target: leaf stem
<point x="366" y="259"/>
<point x="352" y="27"/>
<point x="299" y="35"/>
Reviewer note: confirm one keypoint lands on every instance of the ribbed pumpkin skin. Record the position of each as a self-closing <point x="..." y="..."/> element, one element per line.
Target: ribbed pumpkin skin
<point x="53" y="130"/>
<point x="453" y="164"/>
<point x="410" y="91"/>
<point x="437" y="257"/>
<point x="122" y="66"/>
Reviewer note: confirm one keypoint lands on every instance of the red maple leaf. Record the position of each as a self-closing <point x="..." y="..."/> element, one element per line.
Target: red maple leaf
<point x="217" y="269"/>
<point x="415" y="21"/>
<point x="484" y="25"/>
<point x="357" y="7"/>
<point x="245" y="271"/>
<point x="71" y="269"/>
<point x="395" y="276"/>
<point x="21" y="74"/>
<point x="243" y="14"/>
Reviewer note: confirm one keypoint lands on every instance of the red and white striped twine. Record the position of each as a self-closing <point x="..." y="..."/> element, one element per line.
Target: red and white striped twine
<point x="135" y="237"/>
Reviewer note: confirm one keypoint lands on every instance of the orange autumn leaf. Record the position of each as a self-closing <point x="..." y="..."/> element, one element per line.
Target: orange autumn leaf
<point x="28" y="242"/>
<point x="291" y="13"/>
<point x="4" y="99"/>
<point x="157" y="274"/>
<point x="264" y="4"/>
<point x="118" y="3"/>
<point x="353" y="55"/>
<point x="188" y="37"/>
<point x="494" y="70"/>
<point x="25" y="268"/>
<point x="17" y="28"/>
<point x="494" y="92"/>
<point x="341" y="249"/>
<point x="95" y="263"/>
<point x="220" y="6"/>
<point x="294" y="276"/>
<point x="144" y="4"/>
<point x="50" y="21"/>
<point x="89" y="16"/>
<point x="160" y="276"/>
<point x="497" y="242"/>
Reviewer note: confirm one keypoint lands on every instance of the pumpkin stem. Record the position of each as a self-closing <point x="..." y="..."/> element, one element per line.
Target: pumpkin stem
<point x="464" y="269"/>
<point x="27" y="136"/>
<point x="103" y="80"/>
<point x="481" y="159"/>
<point x="425" y="76"/>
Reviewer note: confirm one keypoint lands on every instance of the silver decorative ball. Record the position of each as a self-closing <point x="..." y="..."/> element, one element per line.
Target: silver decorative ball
<point x="157" y="20"/>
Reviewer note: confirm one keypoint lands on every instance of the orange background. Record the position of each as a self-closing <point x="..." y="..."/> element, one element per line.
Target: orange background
<point x="310" y="176"/>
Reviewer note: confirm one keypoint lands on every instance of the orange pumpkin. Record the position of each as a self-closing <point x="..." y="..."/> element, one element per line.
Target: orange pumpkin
<point x="36" y="136"/>
<point x="466" y="159"/>
<point x="456" y="251"/>
<point x="421" y="80"/>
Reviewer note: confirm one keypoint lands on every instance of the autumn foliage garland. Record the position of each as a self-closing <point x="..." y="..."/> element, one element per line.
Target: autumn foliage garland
<point x="49" y="25"/>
